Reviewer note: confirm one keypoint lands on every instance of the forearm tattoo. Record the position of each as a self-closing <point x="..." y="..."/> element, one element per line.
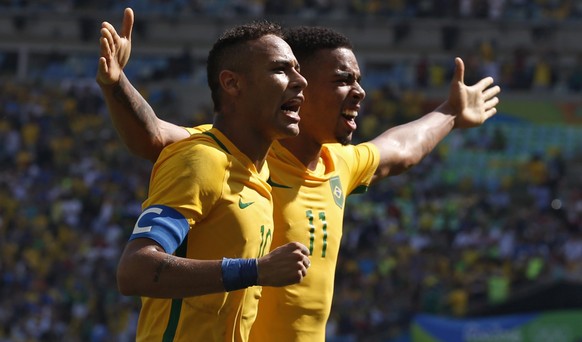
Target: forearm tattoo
<point x="133" y="100"/>
<point x="164" y="265"/>
<point x="125" y="96"/>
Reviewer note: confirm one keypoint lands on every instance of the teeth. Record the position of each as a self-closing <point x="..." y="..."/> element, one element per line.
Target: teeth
<point x="292" y="105"/>
<point x="352" y="114"/>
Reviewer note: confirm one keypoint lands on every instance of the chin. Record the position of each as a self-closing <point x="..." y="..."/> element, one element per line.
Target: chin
<point x="344" y="140"/>
<point x="291" y="131"/>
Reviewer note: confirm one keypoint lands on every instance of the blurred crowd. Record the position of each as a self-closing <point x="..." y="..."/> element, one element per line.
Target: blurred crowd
<point x="453" y="247"/>
<point x="70" y="194"/>
<point x="485" y="9"/>
<point x="540" y="69"/>
<point x="425" y="241"/>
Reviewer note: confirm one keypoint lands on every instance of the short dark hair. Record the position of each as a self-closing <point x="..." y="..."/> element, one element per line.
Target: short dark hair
<point x="225" y="52"/>
<point x="305" y="41"/>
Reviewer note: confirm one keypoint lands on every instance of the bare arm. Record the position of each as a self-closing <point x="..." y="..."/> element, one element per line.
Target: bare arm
<point x="404" y="146"/>
<point x="144" y="134"/>
<point x="145" y="269"/>
<point x="133" y="118"/>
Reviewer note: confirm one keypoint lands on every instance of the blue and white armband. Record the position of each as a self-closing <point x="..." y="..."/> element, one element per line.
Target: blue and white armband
<point x="163" y="224"/>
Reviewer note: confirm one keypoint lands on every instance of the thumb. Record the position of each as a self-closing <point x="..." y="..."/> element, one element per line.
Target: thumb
<point x="459" y="71"/>
<point x="127" y="25"/>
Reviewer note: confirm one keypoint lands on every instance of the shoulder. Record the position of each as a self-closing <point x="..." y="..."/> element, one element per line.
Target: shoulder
<point x="351" y="152"/>
<point x="197" y="155"/>
<point x="355" y="162"/>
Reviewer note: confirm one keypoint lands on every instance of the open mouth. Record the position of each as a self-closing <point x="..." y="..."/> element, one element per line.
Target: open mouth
<point x="292" y="105"/>
<point x="288" y="107"/>
<point x="350" y="114"/>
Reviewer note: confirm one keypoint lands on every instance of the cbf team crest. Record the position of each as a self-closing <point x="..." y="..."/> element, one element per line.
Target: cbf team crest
<point x="337" y="192"/>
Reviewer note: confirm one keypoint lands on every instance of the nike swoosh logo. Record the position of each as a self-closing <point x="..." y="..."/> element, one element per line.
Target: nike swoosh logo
<point x="242" y="204"/>
<point x="276" y="185"/>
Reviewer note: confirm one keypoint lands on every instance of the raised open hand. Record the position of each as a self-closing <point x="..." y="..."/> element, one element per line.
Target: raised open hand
<point x="472" y="105"/>
<point x="114" y="49"/>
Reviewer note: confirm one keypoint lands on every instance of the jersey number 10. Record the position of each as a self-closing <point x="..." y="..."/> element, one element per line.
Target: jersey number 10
<point x="264" y="240"/>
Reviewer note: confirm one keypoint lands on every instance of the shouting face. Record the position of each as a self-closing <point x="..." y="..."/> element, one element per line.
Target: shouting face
<point x="271" y="87"/>
<point x="333" y="97"/>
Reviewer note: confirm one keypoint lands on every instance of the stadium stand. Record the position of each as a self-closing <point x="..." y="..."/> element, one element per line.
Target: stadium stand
<point x="494" y="214"/>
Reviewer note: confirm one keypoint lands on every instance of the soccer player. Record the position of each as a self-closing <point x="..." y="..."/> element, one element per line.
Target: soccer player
<point x="203" y="239"/>
<point x="312" y="174"/>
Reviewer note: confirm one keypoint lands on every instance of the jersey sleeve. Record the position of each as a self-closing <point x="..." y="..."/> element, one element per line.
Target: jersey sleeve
<point x="361" y="160"/>
<point x="198" y="129"/>
<point x="186" y="182"/>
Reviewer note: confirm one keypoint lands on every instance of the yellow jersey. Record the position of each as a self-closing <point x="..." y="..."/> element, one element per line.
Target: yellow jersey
<point x="206" y="201"/>
<point x="309" y="208"/>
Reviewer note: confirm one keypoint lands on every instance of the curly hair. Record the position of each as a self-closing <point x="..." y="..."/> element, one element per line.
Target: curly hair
<point x="305" y="41"/>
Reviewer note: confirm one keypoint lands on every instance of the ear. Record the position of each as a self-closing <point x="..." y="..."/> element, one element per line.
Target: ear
<point x="229" y="82"/>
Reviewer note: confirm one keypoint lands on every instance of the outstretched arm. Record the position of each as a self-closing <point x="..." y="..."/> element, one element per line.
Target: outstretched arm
<point x="133" y="118"/>
<point x="404" y="146"/>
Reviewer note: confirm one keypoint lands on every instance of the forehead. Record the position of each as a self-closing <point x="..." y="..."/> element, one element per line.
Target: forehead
<point x="271" y="47"/>
<point x="332" y="61"/>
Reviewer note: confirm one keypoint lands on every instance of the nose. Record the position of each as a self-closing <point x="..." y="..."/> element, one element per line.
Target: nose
<point x="358" y="92"/>
<point x="298" y="80"/>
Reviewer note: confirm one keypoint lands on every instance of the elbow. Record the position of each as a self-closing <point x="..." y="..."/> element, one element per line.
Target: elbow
<point x="131" y="273"/>
<point x="147" y="146"/>
<point x="157" y="145"/>
<point x="126" y="283"/>
<point x="152" y="155"/>
<point x="136" y="272"/>
<point x="396" y="165"/>
<point x="407" y="165"/>
<point x="125" y="288"/>
<point x="387" y="171"/>
<point x="147" y="152"/>
<point x="410" y="158"/>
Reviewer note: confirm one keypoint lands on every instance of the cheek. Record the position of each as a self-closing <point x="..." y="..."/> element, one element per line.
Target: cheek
<point x="323" y="99"/>
<point x="275" y="84"/>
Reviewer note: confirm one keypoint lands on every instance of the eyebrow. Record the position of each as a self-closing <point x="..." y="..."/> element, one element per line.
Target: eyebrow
<point x="349" y="74"/>
<point x="287" y="62"/>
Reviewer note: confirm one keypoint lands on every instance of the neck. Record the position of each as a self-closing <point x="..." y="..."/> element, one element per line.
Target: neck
<point x="254" y="145"/>
<point x="306" y="150"/>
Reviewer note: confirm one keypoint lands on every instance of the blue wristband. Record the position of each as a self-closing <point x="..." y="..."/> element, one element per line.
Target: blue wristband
<point x="239" y="273"/>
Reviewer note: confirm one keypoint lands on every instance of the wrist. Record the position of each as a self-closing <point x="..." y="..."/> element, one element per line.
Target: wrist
<point x="106" y="81"/>
<point x="106" y="84"/>
<point x="239" y="273"/>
